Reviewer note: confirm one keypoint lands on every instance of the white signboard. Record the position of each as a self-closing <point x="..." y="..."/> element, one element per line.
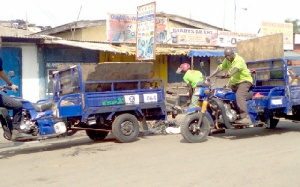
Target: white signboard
<point x="148" y="98"/>
<point x="145" y="45"/>
<point x="132" y="99"/>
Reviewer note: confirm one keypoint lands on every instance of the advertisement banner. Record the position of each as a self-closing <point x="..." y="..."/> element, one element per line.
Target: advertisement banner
<point x="229" y="39"/>
<point x="193" y="36"/>
<point x="121" y="28"/>
<point x="161" y="30"/>
<point x="269" y="28"/>
<point x="145" y="45"/>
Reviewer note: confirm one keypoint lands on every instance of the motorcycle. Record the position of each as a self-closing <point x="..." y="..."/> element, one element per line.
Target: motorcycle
<point x="216" y="111"/>
<point x="37" y="121"/>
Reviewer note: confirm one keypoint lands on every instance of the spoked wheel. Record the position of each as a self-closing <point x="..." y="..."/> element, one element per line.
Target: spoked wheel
<point x="191" y="132"/>
<point x="125" y="128"/>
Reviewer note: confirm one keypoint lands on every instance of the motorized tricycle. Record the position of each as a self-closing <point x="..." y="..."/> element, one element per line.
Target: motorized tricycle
<point x="37" y="121"/>
<point x="274" y="95"/>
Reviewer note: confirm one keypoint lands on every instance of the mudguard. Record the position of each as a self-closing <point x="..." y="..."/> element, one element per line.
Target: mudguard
<point x="221" y="106"/>
<point x="196" y="109"/>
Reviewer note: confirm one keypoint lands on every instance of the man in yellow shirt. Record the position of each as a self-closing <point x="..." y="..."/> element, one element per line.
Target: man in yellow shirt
<point x="240" y="80"/>
<point x="191" y="77"/>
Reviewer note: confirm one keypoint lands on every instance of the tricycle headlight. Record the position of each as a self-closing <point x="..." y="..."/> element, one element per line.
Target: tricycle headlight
<point x="276" y="101"/>
<point x="55" y="112"/>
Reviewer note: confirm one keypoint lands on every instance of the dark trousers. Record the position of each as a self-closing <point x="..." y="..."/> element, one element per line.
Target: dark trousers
<point x="241" y="90"/>
<point x="12" y="104"/>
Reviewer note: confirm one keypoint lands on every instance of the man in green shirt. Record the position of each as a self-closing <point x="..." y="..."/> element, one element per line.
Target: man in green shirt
<point x="240" y="80"/>
<point x="191" y="77"/>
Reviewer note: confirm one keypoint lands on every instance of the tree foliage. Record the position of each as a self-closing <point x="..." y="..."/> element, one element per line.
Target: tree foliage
<point x="296" y="25"/>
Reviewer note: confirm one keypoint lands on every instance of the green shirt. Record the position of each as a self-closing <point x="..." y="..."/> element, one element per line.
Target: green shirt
<point x="243" y="74"/>
<point x="193" y="77"/>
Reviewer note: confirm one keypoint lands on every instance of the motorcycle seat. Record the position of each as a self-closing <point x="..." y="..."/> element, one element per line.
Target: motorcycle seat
<point x="42" y="106"/>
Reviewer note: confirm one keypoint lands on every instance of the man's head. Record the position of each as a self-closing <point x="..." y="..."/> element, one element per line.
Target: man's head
<point x="183" y="68"/>
<point x="229" y="54"/>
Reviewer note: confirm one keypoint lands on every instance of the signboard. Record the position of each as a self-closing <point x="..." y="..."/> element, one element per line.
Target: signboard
<point x="193" y="36"/>
<point x="229" y="39"/>
<point x="145" y="45"/>
<point x="269" y="28"/>
<point x="121" y="28"/>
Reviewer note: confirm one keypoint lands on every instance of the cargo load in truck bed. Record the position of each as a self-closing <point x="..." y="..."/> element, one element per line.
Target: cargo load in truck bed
<point x="109" y="71"/>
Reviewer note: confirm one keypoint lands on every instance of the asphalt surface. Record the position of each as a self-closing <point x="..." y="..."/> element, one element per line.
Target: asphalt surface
<point x="248" y="157"/>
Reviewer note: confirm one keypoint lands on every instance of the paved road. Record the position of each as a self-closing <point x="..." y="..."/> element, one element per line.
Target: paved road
<point x="251" y="157"/>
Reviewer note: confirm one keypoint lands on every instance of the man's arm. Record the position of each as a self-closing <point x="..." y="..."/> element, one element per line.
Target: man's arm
<point x="214" y="73"/>
<point x="4" y="77"/>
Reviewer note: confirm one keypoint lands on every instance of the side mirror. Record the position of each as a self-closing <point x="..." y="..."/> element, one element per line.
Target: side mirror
<point x="11" y="74"/>
<point x="219" y="61"/>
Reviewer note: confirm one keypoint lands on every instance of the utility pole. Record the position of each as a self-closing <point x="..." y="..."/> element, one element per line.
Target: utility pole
<point x="234" y="15"/>
<point x="224" y="15"/>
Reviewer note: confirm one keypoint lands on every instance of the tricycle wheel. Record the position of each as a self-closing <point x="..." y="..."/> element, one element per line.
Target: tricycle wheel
<point x="189" y="130"/>
<point x="125" y="128"/>
<point x="96" y="135"/>
<point x="272" y="123"/>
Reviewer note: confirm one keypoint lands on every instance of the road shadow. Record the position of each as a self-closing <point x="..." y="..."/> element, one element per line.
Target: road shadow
<point x="282" y="128"/>
<point x="18" y="148"/>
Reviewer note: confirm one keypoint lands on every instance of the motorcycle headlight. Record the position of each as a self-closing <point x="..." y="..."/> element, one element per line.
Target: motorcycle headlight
<point x="201" y="91"/>
<point x="197" y="91"/>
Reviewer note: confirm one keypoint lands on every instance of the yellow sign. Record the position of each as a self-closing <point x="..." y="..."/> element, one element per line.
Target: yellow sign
<point x="269" y="28"/>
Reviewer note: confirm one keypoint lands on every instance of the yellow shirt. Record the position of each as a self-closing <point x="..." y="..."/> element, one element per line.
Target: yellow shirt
<point x="243" y="73"/>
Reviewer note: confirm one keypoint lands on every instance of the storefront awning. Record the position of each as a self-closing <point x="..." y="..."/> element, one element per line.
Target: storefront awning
<point x="206" y="53"/>
<point x="159" y="50"/>
<point x="85" y="45"/>
<point x="291" y="55"/>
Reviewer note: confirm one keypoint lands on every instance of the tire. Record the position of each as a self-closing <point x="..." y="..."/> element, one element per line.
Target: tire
<point x="195" y="136"/>
<point x="125" y="128"/>
<point x="272" y="123"/>
<point x="96" y="135"/>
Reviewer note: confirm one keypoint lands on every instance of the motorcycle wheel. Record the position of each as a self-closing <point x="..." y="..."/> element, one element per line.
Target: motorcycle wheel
<point x="188" y="128"/>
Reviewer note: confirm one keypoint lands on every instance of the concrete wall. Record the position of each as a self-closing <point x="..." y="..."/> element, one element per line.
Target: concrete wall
<point x="94" y="33"/>
<point x="30" y="73"/>
<point x="69" y="35"/>
<point x="13" y="32"/>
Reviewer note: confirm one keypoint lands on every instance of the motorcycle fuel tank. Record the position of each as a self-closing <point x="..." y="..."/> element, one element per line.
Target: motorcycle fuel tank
<point x="225" y="93"/>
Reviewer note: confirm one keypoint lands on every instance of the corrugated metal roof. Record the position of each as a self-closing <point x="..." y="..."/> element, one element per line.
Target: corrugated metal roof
<point x="291" y="55"/>
<point x="85" y="45"/>
<point x="159" y="50"/>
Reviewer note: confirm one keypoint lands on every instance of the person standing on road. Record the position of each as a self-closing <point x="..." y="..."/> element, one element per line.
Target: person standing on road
<point x="191" y="77"/>
<point x="10" y="103"/>
<point x="240" y="80"/>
